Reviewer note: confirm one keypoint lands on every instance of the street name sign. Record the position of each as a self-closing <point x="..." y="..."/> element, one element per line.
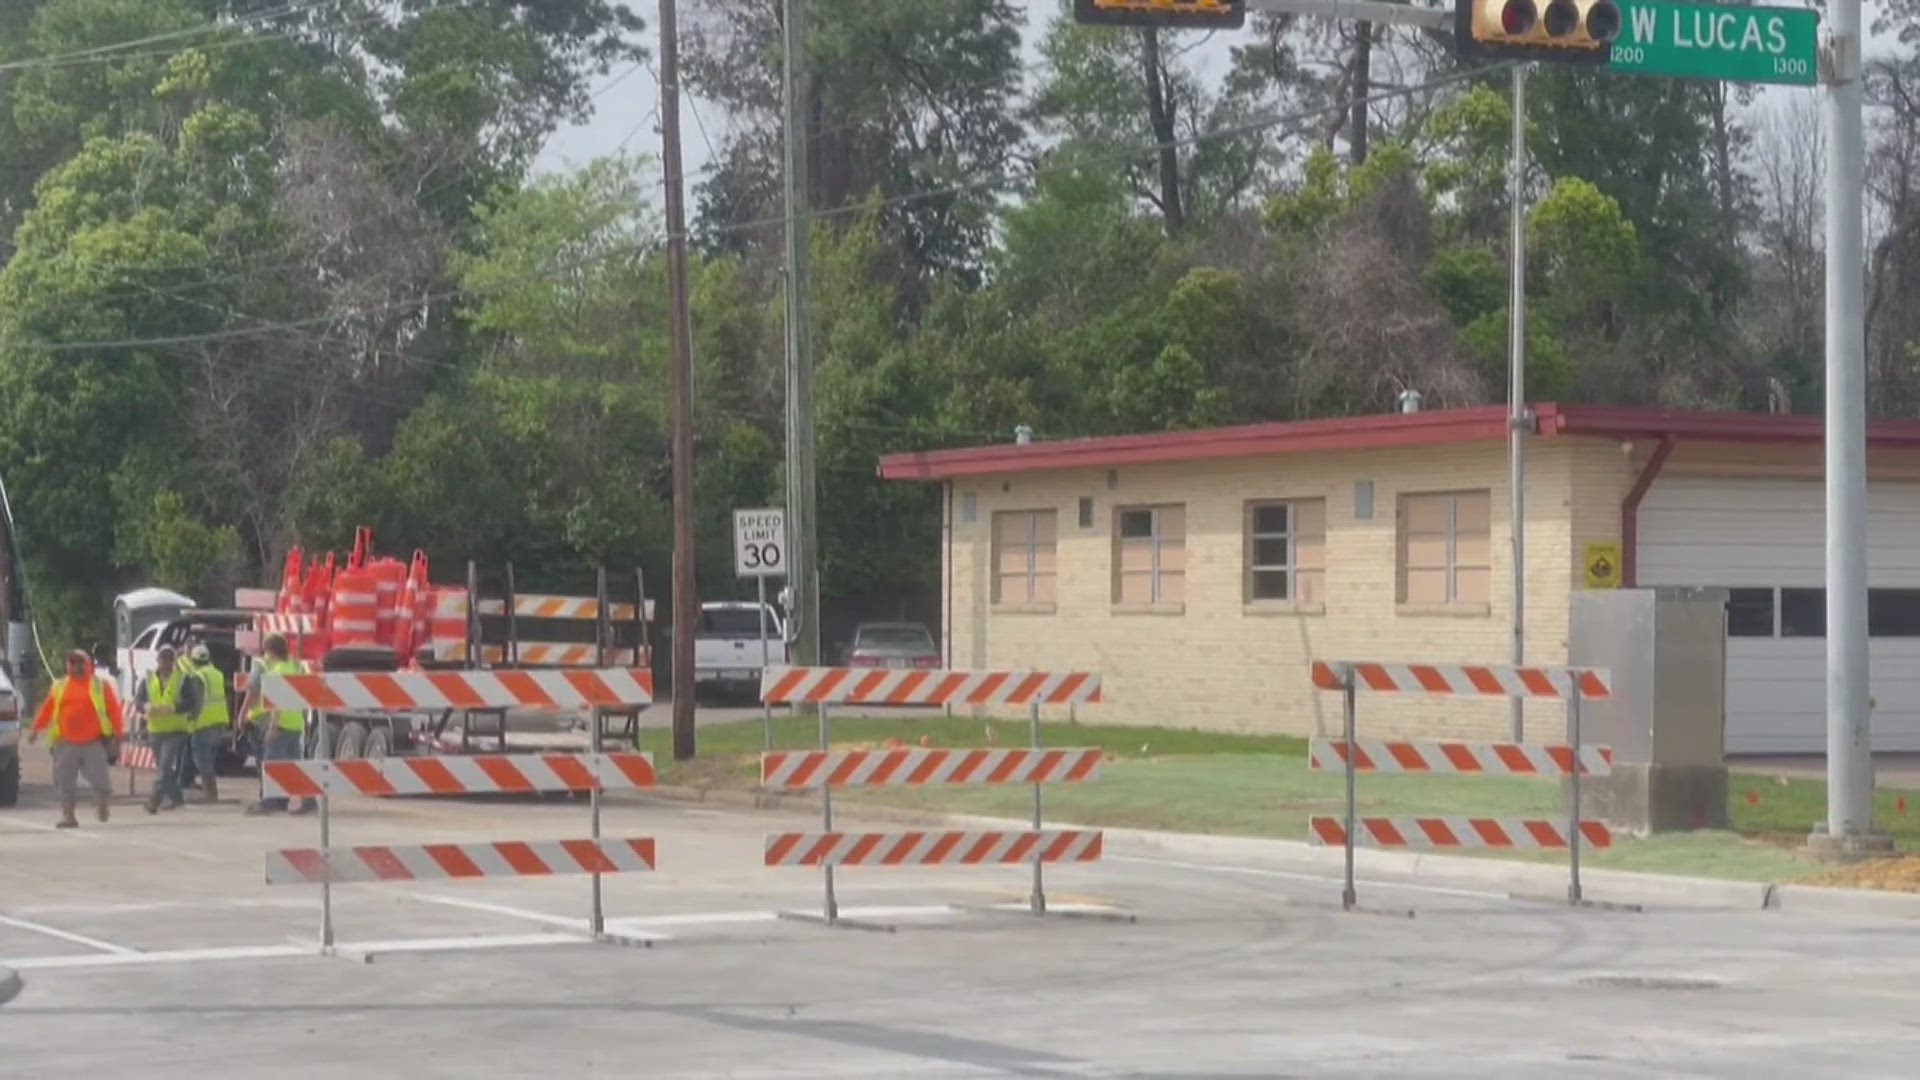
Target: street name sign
<point x="1730" y="44"/>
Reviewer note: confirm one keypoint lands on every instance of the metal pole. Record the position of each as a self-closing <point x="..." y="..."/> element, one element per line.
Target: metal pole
<point x="1849" y="746"/>
<point x="1039" y="903"/>
<point x="597" y="922"/>
<point x="766" y="710"/>
<point x="1347" y="895"/>
<point x="832" y="907"/>
<point x="1573" y="794"/>
<point x="686" y="611"/>
<point x="802" y="484"/>
<point x="326" y="840"/>
<point x="1517" y="389"/>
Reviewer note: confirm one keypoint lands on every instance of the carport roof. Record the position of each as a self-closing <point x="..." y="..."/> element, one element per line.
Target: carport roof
<point x="1432" y="428"/>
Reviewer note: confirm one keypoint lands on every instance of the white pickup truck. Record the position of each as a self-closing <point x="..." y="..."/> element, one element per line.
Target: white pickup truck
<point x="10" y="721"/>
<point x="728" y="653"/>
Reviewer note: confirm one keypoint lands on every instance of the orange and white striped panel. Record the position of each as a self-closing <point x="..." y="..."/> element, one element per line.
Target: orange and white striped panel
<point x="933" y="848"/>
<point x="1456" y="832"/>
<point x="280" y="623"/>
<point x="479" y="774"/>
<point x="909" y="686"/>
<point x="915" y="767"/>
<point x="1475" y="680"/>
<point x="430" y="862"/>
<point x="415" y="691"/>
<point x="137" y="756"/>
<point x="1466" y="758"/>
<point x="536" y="606"/>
<point x="556" y="653"/>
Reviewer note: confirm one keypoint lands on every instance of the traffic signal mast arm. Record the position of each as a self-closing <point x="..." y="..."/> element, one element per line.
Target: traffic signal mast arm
<point x="1373" y="11"/>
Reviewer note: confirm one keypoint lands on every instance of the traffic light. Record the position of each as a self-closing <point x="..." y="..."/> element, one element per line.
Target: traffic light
<point x="1177" y="14"/>
<point x="1570" y="31"/>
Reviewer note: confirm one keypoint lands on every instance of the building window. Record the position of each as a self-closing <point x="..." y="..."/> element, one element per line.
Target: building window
<point x="1023" y="557"/>
<point x="1803" y="613"/>
<point x="1086" y="512"/>
<point x="1446" y="548"/>
<point x="1286" y="546"/>
<point x="1150" y="555"/>
<point x="1893" y="612"/>
<point x="1750" y="613"/>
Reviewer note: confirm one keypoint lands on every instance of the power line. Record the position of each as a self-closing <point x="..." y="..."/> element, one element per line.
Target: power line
<point x="116" y="51"/>
<point x="1095" y="160"/>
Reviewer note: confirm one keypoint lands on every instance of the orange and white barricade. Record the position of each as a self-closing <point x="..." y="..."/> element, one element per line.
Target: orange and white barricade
<point x="327" y="865"/>
<point x="826" y="770"/>
<point x="1354" y="755"/>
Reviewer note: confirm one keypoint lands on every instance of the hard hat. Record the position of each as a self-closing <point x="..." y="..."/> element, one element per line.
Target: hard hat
<point x="167" y="652"/>
<point x="201" y="654"/>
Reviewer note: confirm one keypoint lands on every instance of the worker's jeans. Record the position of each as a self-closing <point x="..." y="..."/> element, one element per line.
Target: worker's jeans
<point x="170" y="765"/>
<point x="206" y="751"/>
<point x="281" y="746"/>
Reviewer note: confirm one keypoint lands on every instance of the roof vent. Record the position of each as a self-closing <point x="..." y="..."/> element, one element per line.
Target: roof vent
<point x="1410" y="400"/>
<point x="1023" y="435"/>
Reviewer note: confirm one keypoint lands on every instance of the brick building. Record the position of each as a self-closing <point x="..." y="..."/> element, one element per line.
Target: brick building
<point x="1199" y="571"/>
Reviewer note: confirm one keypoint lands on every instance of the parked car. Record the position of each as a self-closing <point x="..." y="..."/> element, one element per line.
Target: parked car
<point x="893" y="645"/>
<point x="736" y="639"/>
<point x="10" y="720"/>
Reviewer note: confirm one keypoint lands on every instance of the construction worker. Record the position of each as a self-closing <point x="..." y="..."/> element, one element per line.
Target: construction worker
<point x="168" y="701"/>
<point x="81" y="715"/>
<point x="208" y="731"/>
<point x="282" y="732"/>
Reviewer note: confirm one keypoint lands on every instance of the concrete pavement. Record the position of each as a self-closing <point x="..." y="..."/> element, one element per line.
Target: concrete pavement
<point x="151" y="945"/>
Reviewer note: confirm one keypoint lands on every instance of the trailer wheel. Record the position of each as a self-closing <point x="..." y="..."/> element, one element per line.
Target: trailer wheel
<point x="351" y="744"/>
<point x="10" y="780"/>
<point x="379" y="743"/>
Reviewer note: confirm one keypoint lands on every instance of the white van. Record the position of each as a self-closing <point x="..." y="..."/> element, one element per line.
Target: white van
<point x="728" y="651"/>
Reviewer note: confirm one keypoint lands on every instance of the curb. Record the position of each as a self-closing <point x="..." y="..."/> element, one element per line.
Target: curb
<point x="1523" y="880"/>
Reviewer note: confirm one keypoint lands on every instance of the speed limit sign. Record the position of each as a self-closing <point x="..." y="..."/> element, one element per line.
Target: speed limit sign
<point x="760" y="543"/>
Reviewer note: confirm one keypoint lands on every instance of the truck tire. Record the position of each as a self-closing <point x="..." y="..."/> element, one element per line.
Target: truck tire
<point x="359" y="658"/>
<point x="379" y="743"/>
<point x="350" y="744"/>
<point x="10" y="781"/>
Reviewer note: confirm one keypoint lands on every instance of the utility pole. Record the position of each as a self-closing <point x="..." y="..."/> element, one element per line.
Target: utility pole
<point x="686" y="610"/>
<point x="1517" y="418"/>
<point x="1849" y="828"/>
<point x="803" y="573"/>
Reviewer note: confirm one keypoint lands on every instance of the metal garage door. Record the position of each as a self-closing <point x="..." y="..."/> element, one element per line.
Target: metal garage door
<point x="1766" y="540"/>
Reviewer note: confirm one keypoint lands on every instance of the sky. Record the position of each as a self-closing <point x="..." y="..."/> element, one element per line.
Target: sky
<point x="625" y="114"/>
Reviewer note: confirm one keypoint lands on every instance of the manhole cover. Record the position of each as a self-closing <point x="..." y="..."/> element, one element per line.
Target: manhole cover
<point x="1650" y="982"/>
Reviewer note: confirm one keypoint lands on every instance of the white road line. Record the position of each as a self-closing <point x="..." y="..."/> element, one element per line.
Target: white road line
<point x="1317" y="879"/>
<point x="175" y="956"/>
<point x="457" y="944"/>
<point x="67" y="935"/>
<point x="498" y="909"/>
<point x="109" y="834"/>
<point x="164" y="905"/>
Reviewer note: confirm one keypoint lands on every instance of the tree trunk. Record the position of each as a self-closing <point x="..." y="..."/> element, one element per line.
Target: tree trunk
<point x="1361" y="86"/>
<point x="1160" y="114"/>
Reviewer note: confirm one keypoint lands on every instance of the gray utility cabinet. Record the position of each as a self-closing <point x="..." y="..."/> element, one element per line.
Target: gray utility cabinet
<point x="1667" y="718"/>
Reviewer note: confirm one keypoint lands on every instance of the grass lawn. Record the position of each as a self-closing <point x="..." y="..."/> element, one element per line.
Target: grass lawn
<point x="1259" y="785"/>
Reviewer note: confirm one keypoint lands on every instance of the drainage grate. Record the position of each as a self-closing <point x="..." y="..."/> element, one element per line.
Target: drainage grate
<point x="1650" y="982"/>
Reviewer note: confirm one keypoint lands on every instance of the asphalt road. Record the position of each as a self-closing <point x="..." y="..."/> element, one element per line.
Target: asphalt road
<point x="151" y="947"/>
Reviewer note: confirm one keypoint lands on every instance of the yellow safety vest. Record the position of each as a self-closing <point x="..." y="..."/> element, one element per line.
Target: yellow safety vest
<point x="163" y="704"/>
<point x="94" y="691"/>
<point x="213" y="704"/>
<point x="284" y="720"/>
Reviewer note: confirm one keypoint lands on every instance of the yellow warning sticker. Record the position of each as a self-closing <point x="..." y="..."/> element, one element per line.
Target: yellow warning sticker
<point x="1603" y="564"/>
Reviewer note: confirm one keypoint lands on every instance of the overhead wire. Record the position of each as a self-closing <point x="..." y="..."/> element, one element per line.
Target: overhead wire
<point x="1096" y="160"/>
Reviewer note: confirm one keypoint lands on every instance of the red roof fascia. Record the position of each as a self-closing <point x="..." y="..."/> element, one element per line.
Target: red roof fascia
<point x="1613" y="422"/>
<point x="1253" y="440"/>
<point x="1376" y="432"/>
